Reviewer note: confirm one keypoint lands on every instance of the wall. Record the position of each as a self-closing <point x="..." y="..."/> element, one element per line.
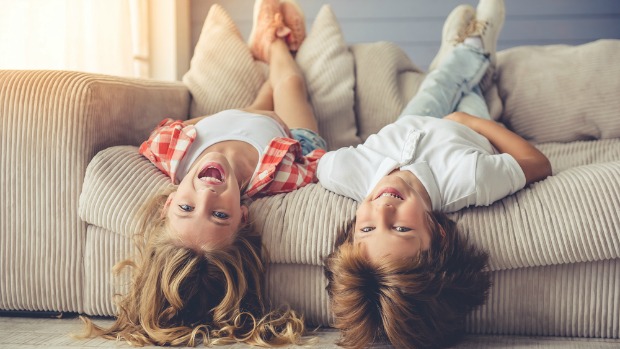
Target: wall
<point x="415" y="25"/>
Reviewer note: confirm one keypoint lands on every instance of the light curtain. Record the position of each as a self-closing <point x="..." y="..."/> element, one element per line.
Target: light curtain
<point x="98" y="36"/>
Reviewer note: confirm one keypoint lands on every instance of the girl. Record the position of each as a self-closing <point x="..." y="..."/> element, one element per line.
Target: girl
<point x="403" y="273"/>
<point x="199" y="276"/>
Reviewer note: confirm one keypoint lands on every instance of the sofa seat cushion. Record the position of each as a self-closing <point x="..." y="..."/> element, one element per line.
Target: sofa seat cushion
<point x="570" y="217"/>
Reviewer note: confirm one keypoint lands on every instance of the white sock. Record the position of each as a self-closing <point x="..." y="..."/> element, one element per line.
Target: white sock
<point x="474" y="41"/>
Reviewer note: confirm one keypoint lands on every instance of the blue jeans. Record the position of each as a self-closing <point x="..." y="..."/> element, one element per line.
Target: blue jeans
<point x="308" y="139"/>
<point x="453" y="86"/>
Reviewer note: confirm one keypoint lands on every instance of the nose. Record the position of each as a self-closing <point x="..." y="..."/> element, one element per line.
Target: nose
<point x="208" y="191"/>
<point x="385" y="206"/>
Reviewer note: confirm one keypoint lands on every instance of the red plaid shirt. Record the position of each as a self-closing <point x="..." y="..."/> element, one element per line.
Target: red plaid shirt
<point x="282" y="168"/>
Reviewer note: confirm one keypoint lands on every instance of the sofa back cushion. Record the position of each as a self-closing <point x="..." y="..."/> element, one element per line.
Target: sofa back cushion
<point x="222" y="74"/>
<point x="560" y="93"/>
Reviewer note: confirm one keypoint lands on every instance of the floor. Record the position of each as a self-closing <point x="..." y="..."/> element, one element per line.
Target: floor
<point x="25" y="332"/>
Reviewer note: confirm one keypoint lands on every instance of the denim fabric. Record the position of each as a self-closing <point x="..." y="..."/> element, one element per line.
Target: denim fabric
<point x="308" y="139"/>
<point x="453" y="86"/>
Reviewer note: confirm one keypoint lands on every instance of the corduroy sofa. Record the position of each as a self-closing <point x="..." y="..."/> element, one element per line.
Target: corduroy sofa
<point x="72" y="180"/>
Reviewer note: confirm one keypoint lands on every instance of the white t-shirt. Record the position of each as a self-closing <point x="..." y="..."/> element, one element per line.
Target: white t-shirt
<point x="457" y="166"/>
<point x="231" y="125"/>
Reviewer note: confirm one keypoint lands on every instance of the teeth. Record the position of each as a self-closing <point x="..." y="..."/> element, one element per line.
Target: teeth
<point x="391" y="195"/>
<point x="213" y="179"/>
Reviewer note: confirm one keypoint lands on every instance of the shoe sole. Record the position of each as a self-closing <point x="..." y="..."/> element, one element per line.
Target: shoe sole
<point x="498" y="18"/>
<point x="300" y="12"/>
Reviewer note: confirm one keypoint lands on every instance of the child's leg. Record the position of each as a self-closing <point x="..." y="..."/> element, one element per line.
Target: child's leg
<point x="473" y="103"/>
<point x="268" y="43"/>
<point x="454" y="85"/>
<point x="264" y="98"/>
<point x="490" y="15"/>
<point x="442" y="89"/>
<point x="290" y="96"/>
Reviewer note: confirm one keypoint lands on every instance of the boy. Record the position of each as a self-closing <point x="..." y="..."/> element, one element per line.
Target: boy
<point x="403" y="273"/>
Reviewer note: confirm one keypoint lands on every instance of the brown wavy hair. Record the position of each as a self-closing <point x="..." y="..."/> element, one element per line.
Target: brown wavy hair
<point x="182" y="297"/>
<point x="418" y="302"/>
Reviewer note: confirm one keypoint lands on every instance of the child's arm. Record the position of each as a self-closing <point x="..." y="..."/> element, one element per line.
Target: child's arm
<point x="534" y="164"/>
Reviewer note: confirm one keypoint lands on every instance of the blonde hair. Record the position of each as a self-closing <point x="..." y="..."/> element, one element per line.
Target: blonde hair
<point x="181" y="297"/>
<point x="418" y="302"/>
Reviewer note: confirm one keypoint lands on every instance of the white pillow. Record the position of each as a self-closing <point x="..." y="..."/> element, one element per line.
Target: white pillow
<point x="329" y="69"/>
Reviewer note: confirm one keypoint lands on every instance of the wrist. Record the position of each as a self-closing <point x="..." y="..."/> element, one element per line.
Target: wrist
<point x="465" y="119"/>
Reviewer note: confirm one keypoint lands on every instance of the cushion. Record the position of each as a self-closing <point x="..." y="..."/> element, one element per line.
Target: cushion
<point x="329" y="69"/>
<point x="567" y="218"/>
<point x="386" y="80"/>
<point x="222" y="74"/>
<point x="560" y="93"/>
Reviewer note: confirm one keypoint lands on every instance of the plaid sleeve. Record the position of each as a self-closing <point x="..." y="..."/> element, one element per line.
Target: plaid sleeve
<point x="167" y="145"/>
<point x="283" y="168"/>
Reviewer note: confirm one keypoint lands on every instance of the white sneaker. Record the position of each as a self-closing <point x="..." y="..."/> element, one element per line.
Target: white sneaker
<point x="490" y="15"/>
<point x="454" y="31"/>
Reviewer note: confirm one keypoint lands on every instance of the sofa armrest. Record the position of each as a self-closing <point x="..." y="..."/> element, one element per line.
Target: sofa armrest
<point x="114" y="110"/>
<point x="52" y="123"/>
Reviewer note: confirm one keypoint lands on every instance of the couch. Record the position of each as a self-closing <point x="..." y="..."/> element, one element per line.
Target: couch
<point x="72" y="179"/>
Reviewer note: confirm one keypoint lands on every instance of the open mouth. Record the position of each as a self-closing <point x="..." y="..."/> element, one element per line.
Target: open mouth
<point x="212" y="173"/>
<point x="389" y="192"/>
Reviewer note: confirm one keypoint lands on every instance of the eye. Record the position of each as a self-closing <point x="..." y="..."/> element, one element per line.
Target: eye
<point x="186" y="208"/>
<point x="220" y="215"/>
<point x="367" y="229"/>
<point x="402" y="229"/>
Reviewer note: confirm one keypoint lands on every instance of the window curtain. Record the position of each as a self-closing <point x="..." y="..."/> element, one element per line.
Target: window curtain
<point x="98" y="36"/>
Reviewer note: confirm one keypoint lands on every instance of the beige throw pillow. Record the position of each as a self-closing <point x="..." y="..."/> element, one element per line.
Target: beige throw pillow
<point x="329" y="69"/>
<point x="561" y="93"/>
<point x="222" y="74"/>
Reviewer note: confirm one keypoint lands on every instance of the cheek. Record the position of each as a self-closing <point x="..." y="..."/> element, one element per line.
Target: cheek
<point x="416" y="209"/>
<point x="362" y="211"/>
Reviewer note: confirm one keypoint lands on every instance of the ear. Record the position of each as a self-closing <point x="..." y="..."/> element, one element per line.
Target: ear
<point x="164" y="210"/>
<point x="244" y="214"/>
